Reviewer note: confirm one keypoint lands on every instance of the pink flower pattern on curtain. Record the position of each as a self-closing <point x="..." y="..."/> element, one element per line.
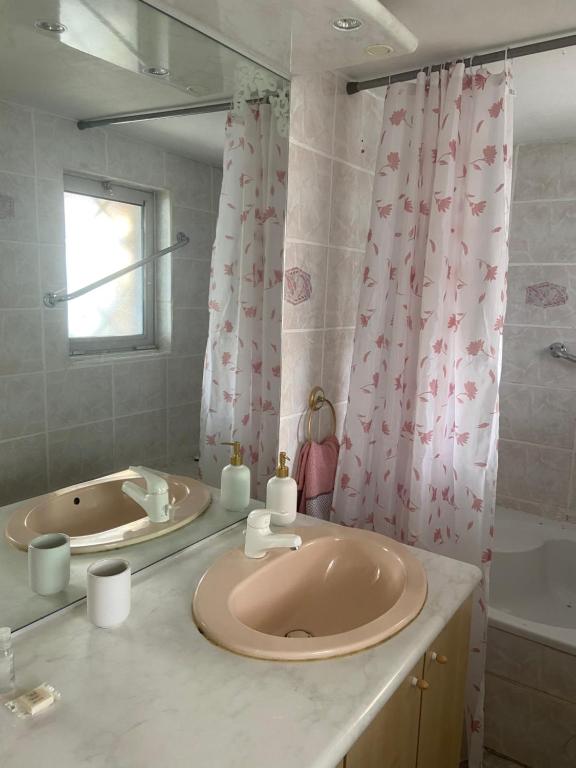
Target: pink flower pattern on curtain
<point x="419" y="453"/>
<point x="241" y="385"/>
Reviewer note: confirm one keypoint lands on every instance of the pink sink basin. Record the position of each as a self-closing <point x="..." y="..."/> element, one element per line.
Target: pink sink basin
<point x="344" y="590"/>
<point x="98" y="516"/>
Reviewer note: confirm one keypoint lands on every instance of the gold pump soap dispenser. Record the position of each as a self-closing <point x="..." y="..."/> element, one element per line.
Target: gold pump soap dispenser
<point x="282" y="493"/>
<point x="235" y="482"/>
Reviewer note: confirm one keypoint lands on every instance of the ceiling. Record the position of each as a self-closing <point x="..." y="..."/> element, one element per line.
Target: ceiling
<point x="98" y="69"/>
<point x="545" y="102"/>
<point x="269" y="30"/>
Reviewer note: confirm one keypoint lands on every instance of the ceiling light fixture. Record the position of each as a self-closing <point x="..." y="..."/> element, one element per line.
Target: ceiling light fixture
<point x="346" y="24"/>
<point x="50" y="26"/>
<point x="379" y="49"/>
<point x="156" y="71"/>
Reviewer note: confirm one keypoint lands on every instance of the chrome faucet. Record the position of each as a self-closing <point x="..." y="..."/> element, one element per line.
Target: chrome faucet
<point x="155" y="500"/>
<point x="259" y="537"/>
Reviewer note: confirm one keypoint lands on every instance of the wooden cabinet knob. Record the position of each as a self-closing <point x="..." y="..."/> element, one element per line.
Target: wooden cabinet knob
<point x="419" y="682"/>
<point x="438" y="658"/>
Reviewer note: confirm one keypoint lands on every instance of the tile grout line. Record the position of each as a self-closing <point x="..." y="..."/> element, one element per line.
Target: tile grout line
<point x="42" y="311"/>
<point x="327" y="256"/>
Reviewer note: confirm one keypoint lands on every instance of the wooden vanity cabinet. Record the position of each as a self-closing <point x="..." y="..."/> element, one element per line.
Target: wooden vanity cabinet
<point x="421" y="725"/>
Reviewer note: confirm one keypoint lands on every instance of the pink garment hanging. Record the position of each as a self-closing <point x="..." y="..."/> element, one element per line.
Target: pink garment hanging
<point x="315" y="474"/>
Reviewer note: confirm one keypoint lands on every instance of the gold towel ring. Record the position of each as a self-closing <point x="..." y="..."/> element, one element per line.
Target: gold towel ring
<point x="316" y="400"/>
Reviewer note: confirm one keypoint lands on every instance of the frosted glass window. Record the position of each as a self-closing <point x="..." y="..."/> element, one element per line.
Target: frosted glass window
<point x="104" y="235"/>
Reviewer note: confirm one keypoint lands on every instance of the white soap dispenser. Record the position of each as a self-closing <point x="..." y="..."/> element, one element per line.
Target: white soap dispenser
<point x="235" y="482"/>
<point x="282" y="494"/>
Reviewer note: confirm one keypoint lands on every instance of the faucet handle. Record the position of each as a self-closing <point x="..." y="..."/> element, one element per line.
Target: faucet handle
<point x="155" y="483"/>
<point x="259" y="519"/>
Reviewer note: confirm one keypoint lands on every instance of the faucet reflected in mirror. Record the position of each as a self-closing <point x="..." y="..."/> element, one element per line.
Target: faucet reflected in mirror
<point x="154" y="500"/>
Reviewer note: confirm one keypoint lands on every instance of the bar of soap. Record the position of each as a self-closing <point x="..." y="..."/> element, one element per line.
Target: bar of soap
<point x="36" y="700"/>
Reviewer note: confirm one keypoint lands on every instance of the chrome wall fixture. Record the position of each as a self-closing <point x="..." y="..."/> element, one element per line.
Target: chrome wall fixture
<point x="53" y="298"/>
<point x="559" y="349"/>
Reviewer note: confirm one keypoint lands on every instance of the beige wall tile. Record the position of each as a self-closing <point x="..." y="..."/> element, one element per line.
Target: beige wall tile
<point x="79" y="395"/>
<point x="24" y="471"/>
<point x="80" y="454"/>
<point x="304" y="275"/>
<point x="22" y="405"/>
<point x="357" y="132"/>
<point x="337" y="363"/>
<point x="16" y="139"/>
<point x="140" y="439"/>
<point x="59" y="144"/>
<point x="17" y="208"/>
<point x="301" y="368"/>
<point x="19" y="276"/>
<point x="540" y="508"/>
<point x="532" y="727"/>
<point x="139" y="386"/>
<point x="524" y="661"/>
<point x="538" y="415"/>
<point x="344" y="278"/>
<point x="526" y="359"/>
<point x="20" y="341"/>
<point x="308" y="206"/>
<point x="312" y="99"/>
<point x="542" y="295"/>
<point x="534" y="472"/>
<point x="351" y="204"/>
<point x="538" y="172"/>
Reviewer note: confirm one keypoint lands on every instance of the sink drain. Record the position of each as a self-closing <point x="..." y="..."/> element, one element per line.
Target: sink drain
<point x="298" y="633"/>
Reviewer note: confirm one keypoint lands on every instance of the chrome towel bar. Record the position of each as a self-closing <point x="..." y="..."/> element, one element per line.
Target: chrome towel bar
<point x="558" y="349"/>
<point x="54" y="297"/>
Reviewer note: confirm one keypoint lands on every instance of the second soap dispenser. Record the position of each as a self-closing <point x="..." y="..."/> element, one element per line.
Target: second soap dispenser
<point x="282" y="493"/>
<point x="235" y="482"/>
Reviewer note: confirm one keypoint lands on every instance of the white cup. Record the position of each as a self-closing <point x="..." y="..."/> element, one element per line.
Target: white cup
<point x="108" y="592"/>
<point x="49" y="563"/>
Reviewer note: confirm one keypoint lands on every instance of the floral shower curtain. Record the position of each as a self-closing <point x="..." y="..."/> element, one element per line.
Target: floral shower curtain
<point x="241" y="386"/>
<point x="419" y="454"/>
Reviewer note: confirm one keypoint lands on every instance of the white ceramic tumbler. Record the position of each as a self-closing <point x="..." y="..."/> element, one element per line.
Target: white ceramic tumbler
<point x="108" y="592"/>
<point x="49" y="563"/>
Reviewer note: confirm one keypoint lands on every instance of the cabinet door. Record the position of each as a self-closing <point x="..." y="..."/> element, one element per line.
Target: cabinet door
<point x="442" y="712"/>
<point x="391" y="739"/>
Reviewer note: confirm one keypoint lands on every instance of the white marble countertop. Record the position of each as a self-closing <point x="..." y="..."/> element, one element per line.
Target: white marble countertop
<point x="155" y="693"/>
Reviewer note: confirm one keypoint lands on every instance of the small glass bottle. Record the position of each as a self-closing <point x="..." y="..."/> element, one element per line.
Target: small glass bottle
<point x="7" y="677"/>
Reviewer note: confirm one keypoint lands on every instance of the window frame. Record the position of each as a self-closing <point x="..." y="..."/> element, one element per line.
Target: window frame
<point x="102" y="188"/>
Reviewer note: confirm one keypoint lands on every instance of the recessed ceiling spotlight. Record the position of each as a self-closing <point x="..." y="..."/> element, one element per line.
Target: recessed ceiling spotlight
<point x="50" y="26"/>
<point x="156" y="71"/>
<point x="346" y="24"/>
<point x="379" y="49"/>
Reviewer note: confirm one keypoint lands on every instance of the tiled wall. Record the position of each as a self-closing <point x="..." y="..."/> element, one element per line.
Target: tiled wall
<point x="530" y="701"/>
<point x="538" y="394"/>
<point x="63" y="421"/>
<point x="333" y="144"/>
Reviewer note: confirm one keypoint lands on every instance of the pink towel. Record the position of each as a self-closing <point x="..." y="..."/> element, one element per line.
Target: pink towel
<point x="315" y="475"/>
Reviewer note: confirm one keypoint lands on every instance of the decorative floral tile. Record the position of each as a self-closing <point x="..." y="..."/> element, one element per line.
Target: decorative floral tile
<point x="298" y="285"/>
<point x="546" y="295"/>
<point x="6" y="207"/>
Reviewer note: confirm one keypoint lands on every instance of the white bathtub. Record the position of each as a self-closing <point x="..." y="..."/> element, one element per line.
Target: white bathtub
<point x="533" y="579"/>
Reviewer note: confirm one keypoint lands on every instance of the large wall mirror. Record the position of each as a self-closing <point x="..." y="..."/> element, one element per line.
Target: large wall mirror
<point x="125" y="134"/>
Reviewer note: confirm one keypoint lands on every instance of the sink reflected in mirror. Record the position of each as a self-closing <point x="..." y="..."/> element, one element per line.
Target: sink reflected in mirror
<point x="98" y="515"/>
<point x="343" y="590"/>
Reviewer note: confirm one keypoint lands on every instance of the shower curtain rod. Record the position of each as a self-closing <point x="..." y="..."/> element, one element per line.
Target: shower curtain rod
<point x="136" y="117"/>
<point x="514" y="52"/>
<point x="53" y="298"/>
